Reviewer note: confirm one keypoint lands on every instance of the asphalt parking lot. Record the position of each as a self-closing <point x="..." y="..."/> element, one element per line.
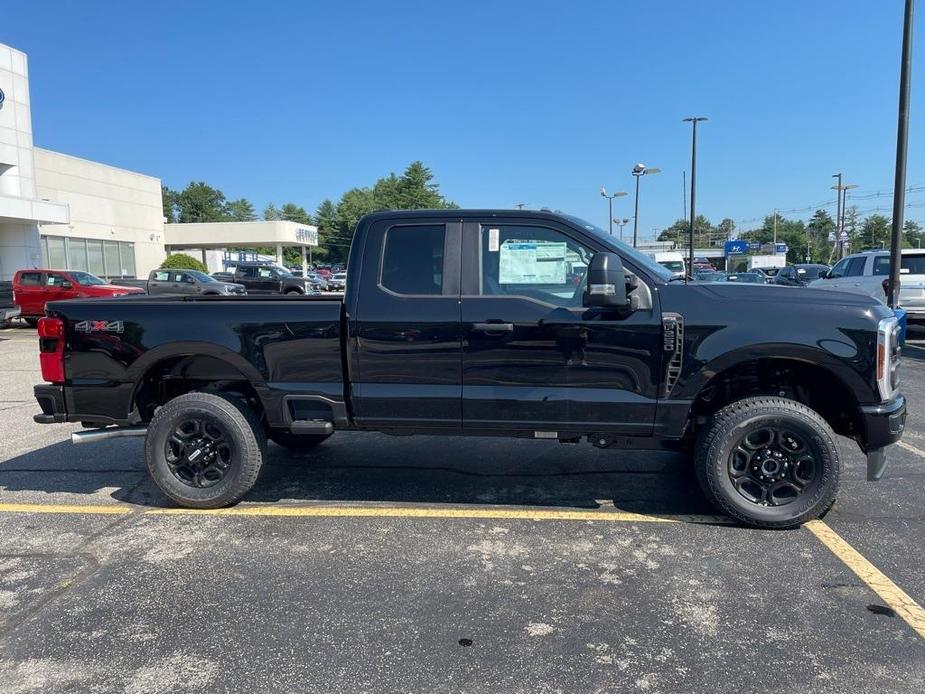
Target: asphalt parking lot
<point x="445" y="565"/>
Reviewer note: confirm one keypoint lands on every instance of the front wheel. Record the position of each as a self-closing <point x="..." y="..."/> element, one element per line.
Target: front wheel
<point x="205" y="450"/>
<point x="768" y="462"/>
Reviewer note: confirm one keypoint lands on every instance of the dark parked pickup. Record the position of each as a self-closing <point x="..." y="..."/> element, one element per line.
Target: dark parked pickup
<point x="266" y="278"/>
<point x="491" y="323"/>
<point x="171" y="281"/>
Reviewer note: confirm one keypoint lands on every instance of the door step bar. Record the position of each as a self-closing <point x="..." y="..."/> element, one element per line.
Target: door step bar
<point x="104" y="433"/>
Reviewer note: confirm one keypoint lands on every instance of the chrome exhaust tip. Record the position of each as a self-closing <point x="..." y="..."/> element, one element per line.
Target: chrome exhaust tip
<point x="103" y="433"/>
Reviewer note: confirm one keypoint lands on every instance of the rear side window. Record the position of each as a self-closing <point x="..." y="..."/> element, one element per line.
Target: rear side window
<point x="161" y="276"/>
<point x="30" y="279"/>
<point x="909" y="265"/>
<point x="247" y="272"/>
<point x="855" y="267"/>
<point x="412" y="260"/>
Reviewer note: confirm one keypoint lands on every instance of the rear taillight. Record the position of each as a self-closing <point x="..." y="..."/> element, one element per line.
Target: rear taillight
<point x="51" y="349"/>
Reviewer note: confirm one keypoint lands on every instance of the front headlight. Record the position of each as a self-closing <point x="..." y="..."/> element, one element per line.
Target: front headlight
<point x="888" y="357"/>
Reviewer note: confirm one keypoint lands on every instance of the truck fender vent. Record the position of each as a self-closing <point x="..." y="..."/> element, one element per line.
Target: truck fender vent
<point x="673" y="345"/>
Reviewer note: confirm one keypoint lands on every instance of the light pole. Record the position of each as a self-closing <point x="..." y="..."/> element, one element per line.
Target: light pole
<point x="618" y="194"/>
<point x="622" y="223"/>
<point x="639" y="171"/>
<point x="693" y="120"/>
<point x="902" y="144"/>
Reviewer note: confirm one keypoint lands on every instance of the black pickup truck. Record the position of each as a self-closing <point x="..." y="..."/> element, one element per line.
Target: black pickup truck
<point x="491" y="323"/>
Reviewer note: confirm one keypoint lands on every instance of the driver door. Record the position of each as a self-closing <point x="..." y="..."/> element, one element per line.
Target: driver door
<point x="534" y="359"/>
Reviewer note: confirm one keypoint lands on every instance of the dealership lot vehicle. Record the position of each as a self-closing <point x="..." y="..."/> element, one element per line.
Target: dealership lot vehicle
<point x="266" y="278"/>
<point x="800" y="275"/>
<point x="744" y="277"/>
<point x="867" y="273"/>
<point x="191" y="282"/>
<point x="410" y="564"/>
<point x="33" y="289"/>
<point x="8" y="309"/>
<point x="337" y="282"/>
<point x="509" y="345"/>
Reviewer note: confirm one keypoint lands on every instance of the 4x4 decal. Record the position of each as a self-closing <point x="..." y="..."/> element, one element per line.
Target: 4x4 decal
<point x="99" y="326"/>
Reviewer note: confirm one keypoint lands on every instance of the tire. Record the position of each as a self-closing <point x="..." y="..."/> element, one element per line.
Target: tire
<point x="293" y="291"/>
<point x="768" y="462"/>
<point x="237" y="453"/>
<point x="32" y="322"/>
<point x="297" y="442"/>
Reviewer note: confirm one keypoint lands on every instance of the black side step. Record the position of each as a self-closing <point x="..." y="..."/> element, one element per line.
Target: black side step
<point x="311" y="426"/>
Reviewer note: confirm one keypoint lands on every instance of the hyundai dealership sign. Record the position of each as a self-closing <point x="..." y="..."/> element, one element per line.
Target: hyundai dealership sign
<point x="2" y="97"/>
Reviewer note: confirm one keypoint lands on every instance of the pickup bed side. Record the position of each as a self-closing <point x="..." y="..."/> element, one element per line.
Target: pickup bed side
<point x="123" y="357"/>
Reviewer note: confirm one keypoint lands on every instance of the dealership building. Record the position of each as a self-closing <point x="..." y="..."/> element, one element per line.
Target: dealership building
<point x="61" y="211"/>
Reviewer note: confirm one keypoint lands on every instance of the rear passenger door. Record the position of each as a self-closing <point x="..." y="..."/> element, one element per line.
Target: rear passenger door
<point x="30" y="294"/>
<point x="405" y="347"/>
<point x="159" y="282"/>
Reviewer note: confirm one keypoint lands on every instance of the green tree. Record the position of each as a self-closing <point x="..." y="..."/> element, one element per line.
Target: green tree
<point x="705" y="234"/>
<point x="725" y="229"/>
<point x="913" y="235"/>
<point x="199" y="202"/>
<point x="875" y="231"/>
<point x="271" y="213"/>
<point x="294" y="213"/>
<point x="169" y="204"/>
<point x="789" y="231"/>
<point x="182" y="261"/>
<point x="240" y="210"/>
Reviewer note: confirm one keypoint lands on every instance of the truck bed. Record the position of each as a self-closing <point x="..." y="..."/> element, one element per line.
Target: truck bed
<point x="289" y="348"/>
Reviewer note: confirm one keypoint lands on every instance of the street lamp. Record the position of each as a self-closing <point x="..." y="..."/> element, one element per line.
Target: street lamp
<point x="693" y="120"/>
<point x="639" y="171"/>
<point x="622" y="222"/>
<point x="618" y="194"/>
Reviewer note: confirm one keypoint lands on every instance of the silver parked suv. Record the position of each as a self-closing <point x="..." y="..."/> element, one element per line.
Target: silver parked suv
<point x="868" y="272"/>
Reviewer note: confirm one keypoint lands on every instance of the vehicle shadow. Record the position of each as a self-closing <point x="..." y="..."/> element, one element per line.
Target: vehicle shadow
<point x="353" y="467"/>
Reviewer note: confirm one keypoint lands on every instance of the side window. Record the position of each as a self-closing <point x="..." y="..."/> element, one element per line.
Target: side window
<point x="856" y="267"/>
<point x="248" y="272"/>
<point x="31" y="279"/>
<point x="179" y="277"/>
<point x="161" y="276"/>
<point x="839" y="269"/>
<point x="534" y="262"/>
<point x="412" y="259"/>
<point x="54" y="280"/>
<point x="882" y="265"/>
<point x="266" y="273"/>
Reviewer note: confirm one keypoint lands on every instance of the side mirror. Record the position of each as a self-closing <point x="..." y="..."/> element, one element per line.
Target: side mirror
<point x="606" y="283"/>
<point x="67" y="284"/>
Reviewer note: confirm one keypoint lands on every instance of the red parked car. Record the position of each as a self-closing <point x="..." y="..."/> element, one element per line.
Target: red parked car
<point x="33" y="288"/>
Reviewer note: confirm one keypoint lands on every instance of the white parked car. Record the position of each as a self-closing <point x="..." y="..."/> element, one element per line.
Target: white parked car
<point x="868" y="272"/>
<point x="338" y="282"/>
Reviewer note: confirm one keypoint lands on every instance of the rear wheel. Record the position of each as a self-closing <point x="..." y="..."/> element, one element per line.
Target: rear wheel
<point x="205" y="450"/>
<point x="297" y="442"/>
<point x="293" y="291"/>
<point x="768" y="462"/>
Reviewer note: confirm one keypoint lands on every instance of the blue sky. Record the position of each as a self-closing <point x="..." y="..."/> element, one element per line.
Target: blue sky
<point x="537" y="102"/>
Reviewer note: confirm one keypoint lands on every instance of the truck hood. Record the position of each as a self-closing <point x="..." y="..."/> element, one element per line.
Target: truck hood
<point x="787" y="295"/>
<point x="109" y="290"/>
<point x="230" y="287"/>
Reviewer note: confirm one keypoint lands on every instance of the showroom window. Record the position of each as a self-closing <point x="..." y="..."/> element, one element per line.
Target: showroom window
<point x="102" y="258"/>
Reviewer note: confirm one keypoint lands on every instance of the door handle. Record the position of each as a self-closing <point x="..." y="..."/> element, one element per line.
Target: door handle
<point x="493" y="327"/>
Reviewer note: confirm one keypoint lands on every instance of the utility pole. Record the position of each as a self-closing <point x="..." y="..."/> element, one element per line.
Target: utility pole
<point x="902" y="145"/>
<point x="775" y="229"/>
<point x="639" y="171"/>
<point x="520" y="205"/>
<point x="693" y="120"/>
<point x="684" y="192"/>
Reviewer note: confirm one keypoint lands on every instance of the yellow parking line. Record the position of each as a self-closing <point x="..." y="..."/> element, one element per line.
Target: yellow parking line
<point x="894" y="596"/>
<point x="436" y="512"/>
<point x="65" y="508"/>
<point x="315" y="511"/>
<point x="909" y="447"/>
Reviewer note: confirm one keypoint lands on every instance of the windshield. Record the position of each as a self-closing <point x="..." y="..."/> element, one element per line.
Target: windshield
<point x="628" y="252"/>
<point x="812" y="272"/>
<point x="673" y="265"/>
<point x="201" y="276"/>
<point x="85" y="279"/>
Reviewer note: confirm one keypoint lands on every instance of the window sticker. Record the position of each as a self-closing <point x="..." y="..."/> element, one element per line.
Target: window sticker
<point x="532" y="262"/>
<point x="493" y="235"/>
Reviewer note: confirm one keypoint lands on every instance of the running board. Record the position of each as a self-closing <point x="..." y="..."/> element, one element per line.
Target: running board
<point x="311" y="426"/>
<point x="94" y="435"/>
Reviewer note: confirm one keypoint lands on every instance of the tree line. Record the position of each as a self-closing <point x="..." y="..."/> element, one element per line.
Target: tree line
<point x="413" y="189"/>
<point x="806" y="241"/>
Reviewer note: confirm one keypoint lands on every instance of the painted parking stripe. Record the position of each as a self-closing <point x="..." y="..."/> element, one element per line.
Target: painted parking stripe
<point x="894" y="596"/>
<point x="112" y="509"/>
<point x="912" y="449"/>
<point x="312" y="511"/>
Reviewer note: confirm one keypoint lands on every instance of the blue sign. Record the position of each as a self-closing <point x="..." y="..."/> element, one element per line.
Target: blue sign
<point x="2" y="97"/>
<point x="734" y="248"/>
<point x="780" y="247"/>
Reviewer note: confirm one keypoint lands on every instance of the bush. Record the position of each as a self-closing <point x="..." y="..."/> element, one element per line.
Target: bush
<point x="182" y="261"/>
